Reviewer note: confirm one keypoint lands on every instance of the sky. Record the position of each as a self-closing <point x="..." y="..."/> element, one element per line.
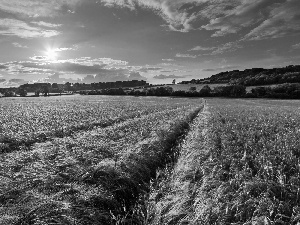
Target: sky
<point x="153" y="40"/>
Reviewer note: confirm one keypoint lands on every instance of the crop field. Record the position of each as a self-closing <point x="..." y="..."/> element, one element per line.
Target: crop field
<point x="243" y="168"/>
<point x="97" y="172"/>
<point x="25" y="121"/>
<point x="149" y="160"/>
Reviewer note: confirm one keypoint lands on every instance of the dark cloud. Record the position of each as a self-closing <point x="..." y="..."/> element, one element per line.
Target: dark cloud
<point x="162" y="76"/>
<point x="17" y="80"/>
<point x="2" y="80"/>
<point x="210" y="69"/>
<point x="112" y="76"/>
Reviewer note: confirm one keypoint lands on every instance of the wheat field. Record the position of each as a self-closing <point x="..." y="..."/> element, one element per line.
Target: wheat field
<point x="125" y="160"/>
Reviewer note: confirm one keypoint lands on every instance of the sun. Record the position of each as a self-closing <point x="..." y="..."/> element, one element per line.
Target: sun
<point x="51" y="54"/>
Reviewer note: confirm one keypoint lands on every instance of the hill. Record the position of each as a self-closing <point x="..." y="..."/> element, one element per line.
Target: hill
<point x="253" y="77"/>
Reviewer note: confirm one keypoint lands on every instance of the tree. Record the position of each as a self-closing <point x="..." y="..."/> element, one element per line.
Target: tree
<point x="22" y="92"/>
<point x="9" y="94"/>
<point x="45" y="91"/>
<point x="238" y="91"/>
<point x="37" y="92"/>
<point x="205" y="91"/>
<point x="193" y="88"/>
<point x="259" y="91"/>
<point x="54" y="86"/>
<point x="163" y="91"/>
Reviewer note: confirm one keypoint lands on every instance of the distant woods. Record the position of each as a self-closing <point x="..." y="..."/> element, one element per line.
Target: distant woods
<point x="253" y="77"/>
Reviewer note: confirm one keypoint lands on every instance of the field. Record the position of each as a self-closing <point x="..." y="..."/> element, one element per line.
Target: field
<point x="186" y="87"/>
<point x="85" y="159"/>
<point x="239" y="165"/>
<point x="149" y="160"/>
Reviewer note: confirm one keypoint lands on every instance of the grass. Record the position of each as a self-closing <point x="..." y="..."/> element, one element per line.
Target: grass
<point x="42" y="119"/>
<point x="246" y="171"/>
<point x="99" y="176"/>
<point x="235" y="162"/>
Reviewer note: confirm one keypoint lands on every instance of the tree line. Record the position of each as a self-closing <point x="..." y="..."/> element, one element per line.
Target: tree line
<point x="283" y="91"/>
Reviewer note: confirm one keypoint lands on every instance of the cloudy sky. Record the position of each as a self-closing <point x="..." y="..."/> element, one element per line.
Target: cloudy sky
<point x="154" y="40"/>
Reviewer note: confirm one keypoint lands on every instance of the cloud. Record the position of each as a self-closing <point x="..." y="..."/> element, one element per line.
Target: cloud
<point x="86" y="68"/>
<point x="227" y="47"/>
<point x="20" y="81"/>
<point x="23" y="67"/>
<point x="168" y="60"/>
<point x="296" y="46"/>
<point x="2" y="80"/>
<point x="227" y="67"/>
<point x="284" y="20"/>
<point x="234" y="16"/>
<point x="18" y="45"/>
<point x="63" y="49"/>
<point x="178" y="18"/>
<point x="112" y="75"/>
<point x="38" y="8"/>
<point x="45" y="24"/>
<point x="13" y="27"/>
<point x="179" y="55"/>
<point x="13" y="82"/>
<point x="200" y="48"/>
<point x="85" y="61"/>
<point x="265" y="18"/>
<point x="146" y="69"/>
<point x="162" y="76"/>
<point x="136" y="76"/>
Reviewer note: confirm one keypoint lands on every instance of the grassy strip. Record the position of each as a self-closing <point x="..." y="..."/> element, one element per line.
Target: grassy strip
<point x="173" y="193"/>
<point x="112" y="192"/>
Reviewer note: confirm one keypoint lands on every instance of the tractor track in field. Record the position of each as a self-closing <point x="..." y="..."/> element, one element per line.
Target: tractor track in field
<point x="172" y="197"/>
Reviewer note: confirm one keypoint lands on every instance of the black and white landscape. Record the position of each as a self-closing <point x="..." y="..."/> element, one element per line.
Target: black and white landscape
<point x="149" y="112"/>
